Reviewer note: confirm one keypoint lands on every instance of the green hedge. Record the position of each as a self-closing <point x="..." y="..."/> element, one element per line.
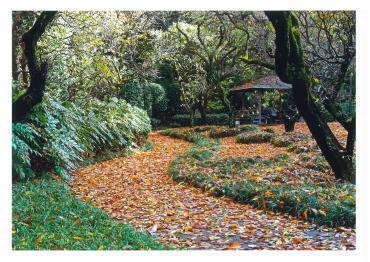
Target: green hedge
<point x="226" y="132"/>
<point x="288" y="139"/>
<point x="185" y="135"/>
<point x="212" y="119"/>
<point x="254" y="137"/>
<point x="47" y="217"/>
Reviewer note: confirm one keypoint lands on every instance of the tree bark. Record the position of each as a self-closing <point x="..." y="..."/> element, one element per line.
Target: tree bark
<point x="290" y="68"/>
<point x="38" y="71"/>
<point x="203" y="110"/>
<point x="15" y="44"/>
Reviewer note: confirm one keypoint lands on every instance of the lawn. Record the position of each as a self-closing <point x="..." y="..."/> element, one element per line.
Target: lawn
<point x="47" y="217"/>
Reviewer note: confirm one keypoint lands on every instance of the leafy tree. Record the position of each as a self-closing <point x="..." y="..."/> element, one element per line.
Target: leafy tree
<point x="216" y="43"/>
<point x="149" y="96"/>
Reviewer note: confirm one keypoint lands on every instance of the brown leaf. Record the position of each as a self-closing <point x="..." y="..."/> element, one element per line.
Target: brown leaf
<point x="78" y="221"/>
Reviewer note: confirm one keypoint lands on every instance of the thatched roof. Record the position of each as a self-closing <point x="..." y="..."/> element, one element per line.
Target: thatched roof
<point x="267" y="82"/>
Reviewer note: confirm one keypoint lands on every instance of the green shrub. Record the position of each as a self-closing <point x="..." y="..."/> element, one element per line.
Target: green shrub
<point x="217" y="119"/>
<point x="155" y="122"/>
<point x="200" y="129"/>
<point x="185" y="135"/>
<point x="269" y="130"/>
<point x="254" y="137"/>
<point x="25" y="144"/>
<point x="212" y="119"/>
<point x="226" y="132"/>
<point x="151" y="97"/>
<point x="287" y="139"/>
<point x="47" y="217"/>
<point x="70" y="132"/>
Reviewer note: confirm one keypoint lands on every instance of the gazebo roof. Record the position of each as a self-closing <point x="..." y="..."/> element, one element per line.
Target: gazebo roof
<point x="267" y="82"/>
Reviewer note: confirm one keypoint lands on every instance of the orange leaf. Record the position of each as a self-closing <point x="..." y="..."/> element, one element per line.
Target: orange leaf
<point x="78" y="221"/>
<point x="297" y="241"/>
<point x="234" y="245"/>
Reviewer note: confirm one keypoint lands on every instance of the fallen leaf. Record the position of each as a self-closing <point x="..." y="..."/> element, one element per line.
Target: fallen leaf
<point x="153" y="229"/>
<point x="78" y="238"/>
<point x="234" y="245"/>
<point x="297" y="241"/>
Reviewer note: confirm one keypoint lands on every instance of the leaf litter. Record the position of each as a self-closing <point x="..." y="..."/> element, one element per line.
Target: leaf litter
<point x="138" y="190"/>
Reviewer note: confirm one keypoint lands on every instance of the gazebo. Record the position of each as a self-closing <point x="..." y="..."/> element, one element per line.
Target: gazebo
<point x="270" y="82"/>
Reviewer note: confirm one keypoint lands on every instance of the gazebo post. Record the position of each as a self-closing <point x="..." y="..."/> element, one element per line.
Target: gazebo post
<point x="243" y="106"/>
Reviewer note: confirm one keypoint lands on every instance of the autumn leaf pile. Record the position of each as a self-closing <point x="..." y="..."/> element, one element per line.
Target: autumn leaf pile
<point x="138" y="189"/>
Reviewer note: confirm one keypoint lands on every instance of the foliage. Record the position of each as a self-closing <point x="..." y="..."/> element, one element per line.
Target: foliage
<point x="225" y="132"/>
<point x="71" y="132"/>
<point x="47" y="216"/>
<point x="150" y="97"/>
<point x="212" y="119"/>
<point x="187" y="135"/>
<point x="288" y="139"/>
<point x="25" y="144"/>
<point x="254" y="137"/>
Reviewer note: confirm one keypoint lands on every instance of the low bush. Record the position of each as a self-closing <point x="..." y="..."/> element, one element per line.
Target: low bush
<point x="288" y="139"/>
<point x="60" y="136"/>
<point x="226" y="132"/>
<point x="201" y="129"/>
<point x="269" y="130"/>
<point x="47" y="217"/>
<point x="254" y="137"/>
<point x="186" y="135"/>
<point x="155" y="122"/>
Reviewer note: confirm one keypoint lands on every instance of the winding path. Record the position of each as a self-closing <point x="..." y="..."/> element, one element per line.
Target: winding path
<point x="138" y="190"/>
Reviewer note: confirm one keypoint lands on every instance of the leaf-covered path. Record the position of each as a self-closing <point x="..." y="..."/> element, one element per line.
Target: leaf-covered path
<point x="138" y="190"/>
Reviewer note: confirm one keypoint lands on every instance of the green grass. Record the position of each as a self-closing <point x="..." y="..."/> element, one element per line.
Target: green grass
<point x="254" y="137"/>
<point x="47" y="217"/>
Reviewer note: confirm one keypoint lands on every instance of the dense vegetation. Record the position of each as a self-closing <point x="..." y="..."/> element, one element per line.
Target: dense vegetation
<point x="180" y="66"/>
<point x="90" y="86"/>
<point x="58" y="137"/>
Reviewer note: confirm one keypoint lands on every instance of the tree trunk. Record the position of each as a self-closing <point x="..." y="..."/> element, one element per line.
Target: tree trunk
<point x="289" y="124"/>
<point x="15" y="44"/>
<point x="192" y="116"/>
<point x="38" y="72"/>
<point x="290" y="68"/>
<point x="203" y="111"/>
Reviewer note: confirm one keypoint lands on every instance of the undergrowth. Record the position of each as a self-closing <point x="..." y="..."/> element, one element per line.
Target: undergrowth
<point x="60" y="136"/>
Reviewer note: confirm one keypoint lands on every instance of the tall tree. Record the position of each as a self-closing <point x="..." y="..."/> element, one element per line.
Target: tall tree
<point x="291" y="68"/>
<point x="217" y="41"/>
<point x="37" y="69"/>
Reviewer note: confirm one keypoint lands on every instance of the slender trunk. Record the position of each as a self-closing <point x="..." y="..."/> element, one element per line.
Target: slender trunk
<point x="203" y="111"/>
<point x="38" y="72"/>
<point x="192" y="116"/>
